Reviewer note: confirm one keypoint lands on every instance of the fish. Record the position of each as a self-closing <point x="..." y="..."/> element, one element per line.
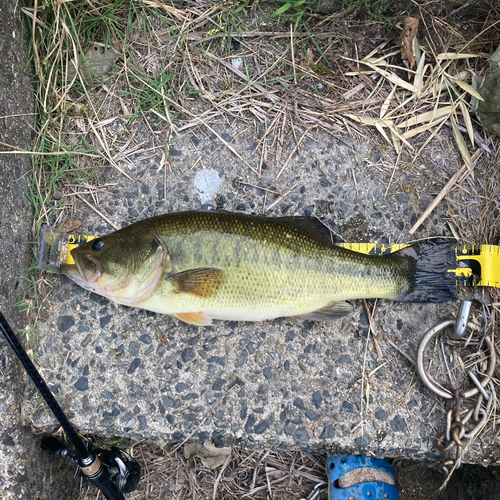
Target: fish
<point x="200" y="266"/>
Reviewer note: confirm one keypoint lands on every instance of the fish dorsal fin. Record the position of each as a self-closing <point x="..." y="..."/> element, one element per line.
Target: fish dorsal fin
<point x="203" y="282"/>
<point x="331" y="312"/>
<point x="314" y="227"/>
<point x="194" y="318"/>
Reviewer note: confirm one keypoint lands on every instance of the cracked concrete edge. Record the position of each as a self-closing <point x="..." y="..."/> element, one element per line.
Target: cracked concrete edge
<point x="25" y="471"/>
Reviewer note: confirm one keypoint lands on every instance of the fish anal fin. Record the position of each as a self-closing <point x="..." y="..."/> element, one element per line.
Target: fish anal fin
<point x="194" y="318"/>
<point x="203" y="282"/>
<point x="333" y="311"/>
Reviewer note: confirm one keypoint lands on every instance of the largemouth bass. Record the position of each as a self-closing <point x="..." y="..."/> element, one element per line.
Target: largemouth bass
<point x="200" y="266"/>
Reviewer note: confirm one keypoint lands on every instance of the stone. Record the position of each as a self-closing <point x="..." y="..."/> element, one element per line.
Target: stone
<point x="134" y="365"/>
<point x="104" y="321"/>
<point x="261" y="427"/>
<point x="187" y="354"/>
<point x="219" y="384"/>
<point x="82" y="384"/>
<point x="398" y="424"/>
<point x="301" y="435"/>
<point x="299" y="403"/>
<point x="328" y="432"/>
<point x="64" y="323"/>
<point x="312" y="415"/>
<point x="317" y="399"/>
<point x="363" y="441"/>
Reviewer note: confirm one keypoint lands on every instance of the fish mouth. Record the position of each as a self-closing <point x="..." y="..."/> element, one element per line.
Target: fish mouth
<point x="69" y="270"/>
<point x="86" y="268"/>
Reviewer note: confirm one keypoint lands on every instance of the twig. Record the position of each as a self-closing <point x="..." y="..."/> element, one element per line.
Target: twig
<point x="409" y="358"/>
<point x="223" y="468"/>
<point x="373" y="329"/>
<point x="281" y="198"/>
<point x="464" y="171"/>
<point x="290" y="156"/>
<point x="97" y="211"/>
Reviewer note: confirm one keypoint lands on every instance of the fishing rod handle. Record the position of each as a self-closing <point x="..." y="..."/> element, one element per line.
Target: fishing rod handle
<point x="99" y="476"/>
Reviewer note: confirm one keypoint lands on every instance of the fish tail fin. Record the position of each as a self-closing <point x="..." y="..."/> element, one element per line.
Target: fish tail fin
<point x="428" y="262"/>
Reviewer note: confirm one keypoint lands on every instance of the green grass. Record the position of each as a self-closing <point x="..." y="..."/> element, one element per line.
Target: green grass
<point x="294" y="10"/>
<point x="66" y="105"/>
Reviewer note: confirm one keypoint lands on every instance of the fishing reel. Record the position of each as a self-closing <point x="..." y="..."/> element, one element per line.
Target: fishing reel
<point x="122" y="472"/>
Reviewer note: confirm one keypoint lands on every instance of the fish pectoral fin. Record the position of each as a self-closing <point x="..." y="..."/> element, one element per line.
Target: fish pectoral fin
<point x="331" y="312"/>
<point x="203" y="282"/>
<point x="194" y="318"/>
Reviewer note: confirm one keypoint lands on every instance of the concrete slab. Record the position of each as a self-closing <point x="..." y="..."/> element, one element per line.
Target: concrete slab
<point x="286" y="383"/>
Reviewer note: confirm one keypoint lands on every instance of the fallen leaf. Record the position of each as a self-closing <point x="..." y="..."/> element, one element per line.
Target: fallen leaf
<point x="210" y="456"/>
<point x="419" y="74"/>
<point x="468" y="121"/>
<point x="81" y="123"/>
<point x="163" y="161"/>
<point x="378" y="126"/>
<point x="428" y="116"/>
<point x="393" y="78"/>
<point x="462" y="365"/>
<point x="71" y="225"/>
<point x="462" y="146"/>
<point x="423" y="128"/>
<point x="179" y="14"/>
<point x="387" y="102"/>
<point x="396" y="141"/>
<point x="469" y="89"/>
<point x="408" y="41"/>
<point x="309" y="57"/>
<point x="446" y="56"/>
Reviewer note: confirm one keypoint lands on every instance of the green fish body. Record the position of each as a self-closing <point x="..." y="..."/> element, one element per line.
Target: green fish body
<point x="200" y="266"/>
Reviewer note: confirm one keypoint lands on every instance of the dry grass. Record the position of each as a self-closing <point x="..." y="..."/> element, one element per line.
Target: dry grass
<point x="248" y="474"/>
<point x="166" y="70"/>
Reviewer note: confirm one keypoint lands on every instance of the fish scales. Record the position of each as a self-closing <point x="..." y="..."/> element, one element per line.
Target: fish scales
<point x="270" y="270"/>
<point x="233" y="266"/>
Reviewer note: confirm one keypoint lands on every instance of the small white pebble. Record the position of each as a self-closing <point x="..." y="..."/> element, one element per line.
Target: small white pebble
<point x="237" y="62"/>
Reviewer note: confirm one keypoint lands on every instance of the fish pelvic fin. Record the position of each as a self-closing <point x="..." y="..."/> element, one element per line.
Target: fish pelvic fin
<point x="194" y="318"/>
<point x="332" y="312"/>
<point x="428" y="262"/>
<point x="203" y="282"/>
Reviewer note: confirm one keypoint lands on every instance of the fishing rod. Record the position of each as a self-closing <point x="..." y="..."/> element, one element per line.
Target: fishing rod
<point x="114" y="472"/>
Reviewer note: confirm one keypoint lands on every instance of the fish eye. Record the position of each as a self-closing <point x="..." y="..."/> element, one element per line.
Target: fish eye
<point x="97" y="244"/>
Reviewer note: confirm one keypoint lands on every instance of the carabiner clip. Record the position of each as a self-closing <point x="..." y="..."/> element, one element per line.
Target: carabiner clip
<point x="461" y="321"/>
<point x="319" y="488"/>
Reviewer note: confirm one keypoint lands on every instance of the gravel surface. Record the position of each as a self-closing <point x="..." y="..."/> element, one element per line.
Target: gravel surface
<point x="286" y="383"/>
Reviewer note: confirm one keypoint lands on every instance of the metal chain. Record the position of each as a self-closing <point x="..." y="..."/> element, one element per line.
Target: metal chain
<point x="457" y="435"/>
